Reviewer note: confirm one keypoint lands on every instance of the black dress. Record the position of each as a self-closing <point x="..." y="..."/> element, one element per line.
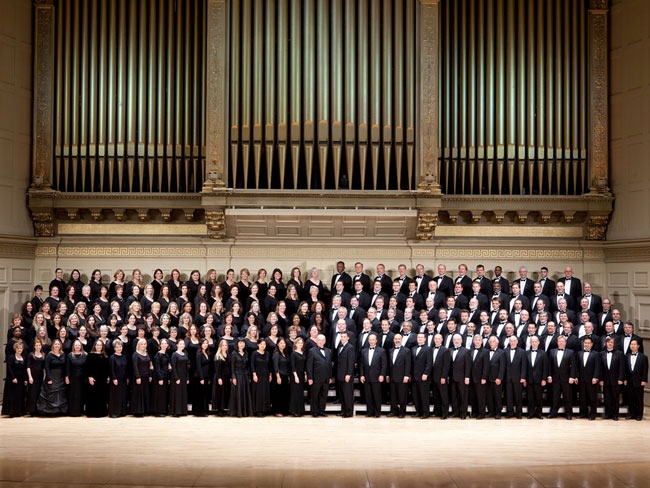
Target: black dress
<point x="53" y="399"/>
<point x="97" y="398"/>
<point x="221" y="393"/>
<point x="140" y="392"/>
<point x="75" y="370"/>
<point x="118" y="366"/>
<point x="280" y="391"/>
<point x="191" y="350"/>
<point x="158" y="391"/>
<point x="34" y="390"/>
<point x="203" y="391"/>
<point x="178" y="386"/>
<point x="261" y="390"/>
<point x="297" y="390"/>
<point x="241" y="403"/>
<point x="13" y="400"/>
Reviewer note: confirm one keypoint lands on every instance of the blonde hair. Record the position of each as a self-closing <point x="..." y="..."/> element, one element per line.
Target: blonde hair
<point x="219" y="355"/>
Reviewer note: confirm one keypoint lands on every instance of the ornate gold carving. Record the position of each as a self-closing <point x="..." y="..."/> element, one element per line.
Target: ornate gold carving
<point x="143" y="214"/>
<point x="522" y="217"/>
<point x="45" y="251"/>
<point x="597" y="227"/>
<point x="119" y="214"/>
<point x="129" y="251"/>
<point x="428" y="103"/>
<point x="498" y="216"/>
<point x="453" y="253"/>
<point x="216" y="103"/>
<point x="598" y="4"/>
<point x="598" y="100"/>
<point x="426" y="225"/>
<point x="42" y="154"/>
<point x="96" y="214"/>
<point x="476" y="216"/>
<point x="216" y="222"/>
<point x="43" y="223"/>
<point x="545" y="217"/>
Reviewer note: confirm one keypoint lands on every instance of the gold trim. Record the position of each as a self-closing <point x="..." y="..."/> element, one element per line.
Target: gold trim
<point x="132" y="229"/>
<point x="509" y="231"/>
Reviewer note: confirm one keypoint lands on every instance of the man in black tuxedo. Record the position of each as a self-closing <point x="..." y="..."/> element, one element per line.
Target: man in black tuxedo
<point x="445" y="283"/>
<point x="356" y="313"/>
<point x="461" y="302"/>
<point x="589" y="371"/>
<point x="459" y="376"/>
<point x="343" y="277"/>
<point x="399" y="296"/>
<point x="376" y="293"/>
<point x="345" y="359"/>
<point x="538" y="296"/>
<point x="609" y="332"/>
<point x="422" y="281"/>
<point x="441" y="360"/>
<point x="562" y="374"/>
<point x="496" y="376"/>
<point x="636" y="378"/>
<point x="589" y="334"/>
<point x="385" y="280"/>
<point x="362" y="297"/>
<point x="584" y="314"/>
<point x="563" y="309"/>
<point x="364" y="336"/>
<point x="559" y="296"/>
<point x="613" y="376"/>
<point x="595" y="302"/>
<point x="500" y="326"/>
<point x="572" y="286"/>
<point x="493" y="313"/>
<point x="386" y="338"/>
<point x="421" y="370"/>
<point x="482" y="299"/>
<point x="548" y="285"/>
<point x="38" y="300"/>
<point x="464" y="280"/>
<point x="372" y="371"/>
<point x="339" y="291"/>
<point x="418" y="301"/>
<point x="516" y="295"/>
<point x="403" y="279"/>
<point x="537" y="372"/>
<point x="399" y="374"/>
<point x="617" y="322"/>
<point x="438" y="297"/>
<point x="361" y="277"/>
<point x="525" y="283"/>
<point x="604" y="316"/>
<point x="484" y="282"/>
<point x="504" y="284"/>
<point x="479" y="375"/>
<point x="516" y="373"/>
<point x="319" y="375"/>
<point x="629" y="336"/>
<point x="504" y="299"/>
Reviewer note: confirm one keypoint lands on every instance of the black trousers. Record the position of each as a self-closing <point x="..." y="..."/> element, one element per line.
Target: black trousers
<point x="440" y="398"/>
<point x="373" y="397"/>
<point x="588" y="398"/>
<point x="478" y="395"/>
<point x="494" y="398"/>
<point x="535" y="399"/>
<point x="611" y="394"/>
<point x="514" y="403"/>
<point x="563" y="389"/>
<point x="635" y="401"/>
<point x="398" y="397"/>
<point x="421" y="397"/>
<point x="459" y="393"/>
<point x="319" y="397"/>
<point x="346" y="394"/>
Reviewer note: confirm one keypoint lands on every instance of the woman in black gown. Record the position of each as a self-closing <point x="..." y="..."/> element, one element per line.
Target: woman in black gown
<point x="160" y="387"/>
<point x="13" y="400"/>
<point x="261" y="386"/>
<point x="281" y="372"/>
<point x="97" y="370"/>
<point x="221" y="381"/>
<point x="53" y="399"/>
<point x="241" y="403"/>
<point x="75" y="378"/>
<point x="140" y="391"/>
<point x="35" y="372"/>
<point x="203" y="380"/>
<point x="180" y="379"/>
<point x="118" y="391"/>
<point x="297" y="393"/>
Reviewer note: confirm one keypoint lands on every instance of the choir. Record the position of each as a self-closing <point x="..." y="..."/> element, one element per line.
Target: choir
<point x="271" y="347"/>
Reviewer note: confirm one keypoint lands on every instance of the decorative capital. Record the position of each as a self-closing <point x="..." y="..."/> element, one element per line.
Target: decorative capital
<point x="597" y="227"/>
<point x="43" y="223"/>
<point x="598" y="4"/>
<point x="426" y="225"/>
<point x="216" y="223"/>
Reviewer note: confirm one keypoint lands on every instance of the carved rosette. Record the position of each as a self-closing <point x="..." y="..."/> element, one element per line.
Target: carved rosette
<point x="426" y="225"/>
<point x="597" y="227"/>
<point x="428" y="102"/>
<point x="216" y="223"/>
<point x="43" y="223"/>
<point x="215" y="95"/>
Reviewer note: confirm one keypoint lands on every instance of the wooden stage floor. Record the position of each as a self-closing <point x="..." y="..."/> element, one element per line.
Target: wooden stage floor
<point x="327" y="452"/>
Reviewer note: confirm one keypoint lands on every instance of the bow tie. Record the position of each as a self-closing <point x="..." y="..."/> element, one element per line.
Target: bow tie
<point x="384" y="333"/>
<point x="436" y="347"/>
<point x="588" y="296"/>
<point x="633" y="354"/>
<point x="610" y="352"/>
<point x="456" y="348"/>
<point x="533" y="350"/>
<point x="517" y="313"/>
<point x="372" y="348"/>
<point x="397" y="348"/>
<point x="628" y="335"/>
<point x="561" y="350"/>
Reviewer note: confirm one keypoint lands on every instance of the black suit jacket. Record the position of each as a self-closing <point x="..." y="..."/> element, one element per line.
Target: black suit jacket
<point x="567" y="368"/>
<point x="461" y="367"/>
<point x="634" y="336"/>
<point x="365" y="281"/>
<point x="386" y="284"/>
<point x="421" y="362"/>
<point x="445" y="285"/>
<point x="497" y="366"/>
<point x="345" y="359"/>
<point x="603" y="317"/>
<point x="386" y="341"/>
<point x="401" y="367"/>
<point x="534" y="299"/>
<point x="517" y="368"/>
<point x="364" y="300"/>
<point x="418" y="301"/>
<point x="378" y="367"/>
<point x="575" y="291"/>
<point x="538" y="371"/>
<point x="548" y="287"/>
<point x="486" y="286"/>
<point x="525" y="303"/>
<point x="591" y="370"/>
<point x="401" y="299"/>
<point x="441" y="365"/>
<point x="618" y="342"/>
<point x="373" y="299"/>
<point x="639" y="374"/>
<point x="404" y="284"/>
<point x="596" y="305"/>
<point x="345" y="278"/>
<point x="570" y="302"/>
<point x="319" y="368"/>
<point x="616" y="372"/>
<point x="466" y="281"/>
<point x="438" y="299"/>
<point x="480" y="365"/>
<point x="505" y="284"/>
<point x="483" y="301"/>
<point x="423" y="287"/>
<point x="462" y="302"/>
<point x="528" y="289"/>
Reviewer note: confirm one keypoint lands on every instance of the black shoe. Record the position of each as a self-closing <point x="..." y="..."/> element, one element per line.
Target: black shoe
<point x="424" y="416"/>
<point x="518" y="416"/>
<point x="315" y="415"/>
<point x="443" y="417"/>
<point x="639" y="419"/>
<point x="497" y="416"/>
<point x="615" y="418"/>
<point x="377" y="415"/>
<point x="340" y="415"/>
<point x="401" y="416"/>
<point x="551" y="416"/>
<point x="569" y="417"/>
<point x="480" y="417"/>
<point x="322" y="414"/>
<point x="629" y="417"/>
<point x="539" y="417"/>
<point x="391" y="415"/>
<point x="592" y="417"/>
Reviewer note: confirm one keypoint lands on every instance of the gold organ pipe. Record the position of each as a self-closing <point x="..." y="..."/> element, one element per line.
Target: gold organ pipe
<point x="363" y="70"/>
<point x="350" y="87"/>
<point x="235" y="104"/>
<point x="246" y="95"/>
<point x="283" y="86"/>
<point x="490" y="98"/>
<point x="398" y="139"/>
<point x="323" y="84"/>
<point x="336" y="43"/>
<point x="270" y="89"/>
<point x="258" y="93"/>
<point x="471" y="97"/>
<point x="295" y="83"/>
<point x="481" y="99"/>
<point x="74" y="97"/>
<point x="309" y="78"/>
<point x="375" y="86"/>
<point x="387" y="85"/>
<point x="179" y="86"/>
<point x="447" y="94"/>
<point x="409" y="76"/>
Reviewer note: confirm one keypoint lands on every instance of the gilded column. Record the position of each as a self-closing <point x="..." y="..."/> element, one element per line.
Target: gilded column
<point x="216" y="95"/>
<point x="598" y="156"/>
<point x="428" y="29"/>
<point x="43" y="128"/>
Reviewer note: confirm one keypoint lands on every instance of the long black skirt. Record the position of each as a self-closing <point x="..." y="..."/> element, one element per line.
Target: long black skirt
<point x="220" y="396"/>
<point x="178" y="398"/>
<point x="241" y="402"/>
<point x="53" y="399"/>
<point x="33" y="392"/>
<point x="76" y="396"/>
<point x="140" y="397"/>
<point x="117" y="399"/>
<point x="261" y="392"/>
<point x="159" y="397"/>
<point x="280" y="395"/>
<point x="202" y="394"/>
<point x="97" y="399"/>
<point x="13" y="400"/>
<point x="297" y="398"/>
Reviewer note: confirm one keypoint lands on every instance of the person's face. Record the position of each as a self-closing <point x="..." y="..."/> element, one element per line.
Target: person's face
<point x="543" y="273"/>
<point x="397" y="340"/>
<point x="358" y="268"/>
<point x="515" y="290"/>
<point x="497" y="271"/>
<point x="377" y="286"/>
<point x="628" y="329"/>
<point x="419" y="269"/>
<point x="510" y="329"/>
<point x="340" y="267"/>
<point x="477" y="341"/>
<point x="457" y="340"/>
<point x="634" y="346"/>
<point x="372" y="340"/>
<point x="458" y="288"/>
<point x="421" y="339"/>
<point x="339" y="286"/>
<point x="380" y="269"/>
<point x="494" y="342"/>
<point x="503" y="315"/>
<point x="480" y="271"/>
<point x="59" y="274"/>
<point x="462" y="270"/>
<point x="513" y="342"/>
<point x="606" y="304"/>
<point x="320" y="341"/>
<point x="437" y="339"/>
<point x="568" y="272"/>
<point x="616" y="315"/>
<point x="396" y="287"/>
<point x="567" y="328"/>
<point x="442" y="269"/>
<point x="537" y="288"/>
<point x="523" y="273"/>
<point x="401" y="270"/>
